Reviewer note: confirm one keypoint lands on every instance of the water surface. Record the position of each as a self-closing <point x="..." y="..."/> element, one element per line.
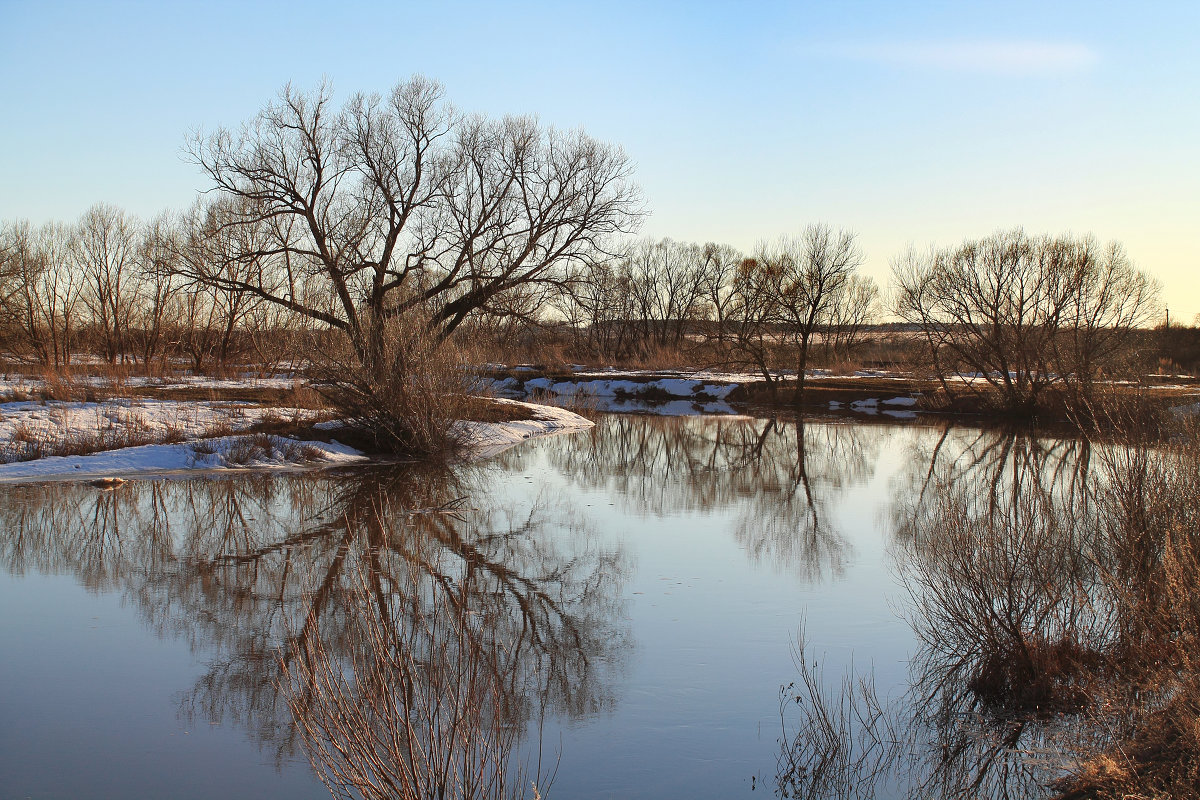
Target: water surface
<point x="609" y="614"/>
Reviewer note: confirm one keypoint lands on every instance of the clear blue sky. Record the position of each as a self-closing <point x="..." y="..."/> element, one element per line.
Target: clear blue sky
<point x="908" y="122"/>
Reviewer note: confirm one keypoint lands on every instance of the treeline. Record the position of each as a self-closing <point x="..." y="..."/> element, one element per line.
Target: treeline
<point x="1023" y="313"/>
<point x="176" y="289"/>
<point x="768" y="310"/>
<point x="110" y="287"/>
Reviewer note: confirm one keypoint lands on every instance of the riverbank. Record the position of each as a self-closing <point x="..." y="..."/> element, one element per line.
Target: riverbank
<point x="52" y="439"/>
<point x="864" y="393"/>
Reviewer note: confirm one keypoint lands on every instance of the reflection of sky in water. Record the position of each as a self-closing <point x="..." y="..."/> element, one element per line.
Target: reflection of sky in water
<point x="731" y="546"/>
<point x="88" y="706"/>
<point x="698" y="710"/>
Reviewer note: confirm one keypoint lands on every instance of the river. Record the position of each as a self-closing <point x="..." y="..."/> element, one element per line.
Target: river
<point x="615" y="613"/>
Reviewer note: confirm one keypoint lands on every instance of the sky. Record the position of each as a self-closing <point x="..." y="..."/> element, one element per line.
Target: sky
<point x="911" y="123"/>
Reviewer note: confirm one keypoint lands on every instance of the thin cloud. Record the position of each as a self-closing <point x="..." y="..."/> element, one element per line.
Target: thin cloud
<point x="996" y="57"/>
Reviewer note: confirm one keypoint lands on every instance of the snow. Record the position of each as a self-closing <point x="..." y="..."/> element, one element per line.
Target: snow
<point x="194" y="421"/>
<point x="489" y="438"/>
<point x="151" y="418"/>
<point x="11" y="385"/>
<point x="683" y="388"/>
<point x="1186" y="411"/>
<point x="907" y="402"/>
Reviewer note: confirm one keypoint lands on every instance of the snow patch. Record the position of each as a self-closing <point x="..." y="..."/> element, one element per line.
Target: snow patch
<point x="187" y="419"/>
<point x="489" y="438"/>
<point x="615" y="387"/>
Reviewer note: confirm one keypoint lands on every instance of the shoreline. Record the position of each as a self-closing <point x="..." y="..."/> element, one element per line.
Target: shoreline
<point x="244" y="451"/>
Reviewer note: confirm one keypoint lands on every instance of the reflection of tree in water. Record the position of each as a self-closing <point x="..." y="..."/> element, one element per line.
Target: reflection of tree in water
<point x="783" y="478"/>
<point x="999" y="550"/>
<point x="1001" y="467"/>
<point x="414" y="587"/>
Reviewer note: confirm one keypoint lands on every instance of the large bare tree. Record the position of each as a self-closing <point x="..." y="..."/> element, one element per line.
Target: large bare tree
<point x="397" y="203"/>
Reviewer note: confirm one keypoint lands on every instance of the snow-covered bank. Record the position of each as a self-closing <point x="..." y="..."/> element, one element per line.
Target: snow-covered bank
<point x="53" y="420"/>
<point x="194" y="422"/>
<point x="486" y="439"/>
<point x="686" y="393"/>
<point x="15" y="385"/>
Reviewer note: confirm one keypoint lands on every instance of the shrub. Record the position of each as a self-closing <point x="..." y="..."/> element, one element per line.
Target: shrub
<point x="403" y="389"/>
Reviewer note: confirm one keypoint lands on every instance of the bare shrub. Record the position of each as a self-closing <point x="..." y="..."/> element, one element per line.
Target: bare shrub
<point x="1150" y="564"/>
<point x="309" y="452"/>
<point x="61" y="385"/>
<point x="845" y="743"/>
<point x="301" y="395"/>
<point x="204" y="447"/>
<point x="405" y="394"/>
<point x="1060" y="601"/>
<point x="258" y="448"/>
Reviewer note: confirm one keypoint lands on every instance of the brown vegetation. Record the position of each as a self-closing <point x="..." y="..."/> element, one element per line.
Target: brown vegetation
<point x="407" y="398"/>
<point x="1026" y="314"/>
<point x="1052" y="587"/>
<point x="28" y="444"/>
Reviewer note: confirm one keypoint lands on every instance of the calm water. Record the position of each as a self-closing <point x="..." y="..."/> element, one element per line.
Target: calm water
<point x="609" y="614"/>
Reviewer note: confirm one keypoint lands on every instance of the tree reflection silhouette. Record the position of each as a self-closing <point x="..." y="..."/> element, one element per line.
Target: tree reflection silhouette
<point x="783" y="478"/>
<point x="997" y="548"/>
<point x="479" y="606"/>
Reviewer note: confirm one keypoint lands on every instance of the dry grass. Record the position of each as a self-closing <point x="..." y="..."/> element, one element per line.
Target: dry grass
<point x="29" y="444"/>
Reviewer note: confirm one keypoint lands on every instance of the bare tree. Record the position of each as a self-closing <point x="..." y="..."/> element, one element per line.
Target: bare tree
<point x="853" y="309"/>
<point x="719" y="268"/>
<point x="156" y="311"/>
<point x="809" y="276"/>
<point x="1111" y="299"/>
<point x="666" y="281"/>
<point x="1024" y="313"/>
<point x="396" y="203"/>
<point x="212" y="243"/>
<point x="599" y="306"/>
<point x="39" y="290"/>
<point x="752" y="314"/>
<point x="106" y="253"/>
